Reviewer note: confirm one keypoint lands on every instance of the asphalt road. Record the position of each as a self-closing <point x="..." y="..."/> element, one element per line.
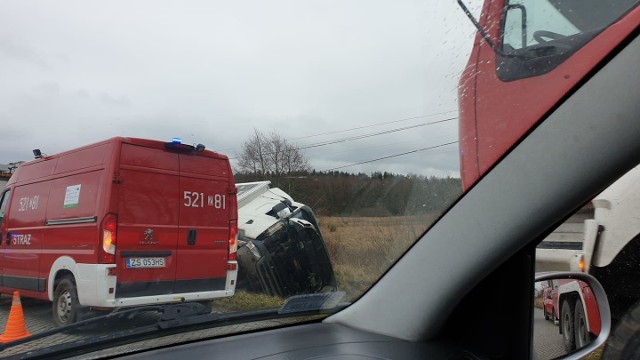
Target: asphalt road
<point x="37" y="318"/>
<point x="547" y="341"/>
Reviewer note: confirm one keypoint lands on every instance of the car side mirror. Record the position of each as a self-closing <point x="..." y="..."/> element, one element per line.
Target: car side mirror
<point x="573" y="320"/>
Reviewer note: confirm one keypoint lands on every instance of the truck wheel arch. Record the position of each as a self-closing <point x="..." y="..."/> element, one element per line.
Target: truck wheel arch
<point x="619" y="278"/>
<point x="63" y="265"/>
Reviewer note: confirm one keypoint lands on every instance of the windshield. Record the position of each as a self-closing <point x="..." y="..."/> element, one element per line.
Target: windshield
<point x="537" y="36"/>
<point x="250" y="164"/>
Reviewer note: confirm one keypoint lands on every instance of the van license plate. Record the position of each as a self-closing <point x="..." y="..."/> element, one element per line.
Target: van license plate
<point x="145" y="263"/>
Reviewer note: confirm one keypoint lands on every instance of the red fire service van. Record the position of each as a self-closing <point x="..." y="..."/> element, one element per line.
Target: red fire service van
<point x="119" y="223"/>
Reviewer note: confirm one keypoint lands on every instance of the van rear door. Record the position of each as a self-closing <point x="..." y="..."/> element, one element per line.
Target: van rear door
<point x="148" y="186"/>
<point x="203" y="240"/>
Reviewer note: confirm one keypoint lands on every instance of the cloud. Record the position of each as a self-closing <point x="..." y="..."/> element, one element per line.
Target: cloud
<point x="121" y="101"/>
<point x="22" y="52"/>
<point x="210" y="72"/>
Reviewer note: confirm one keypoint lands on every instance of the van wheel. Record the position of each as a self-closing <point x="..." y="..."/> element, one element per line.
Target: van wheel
<point x="567" y="322"/>
<point x="544" y="311"/>
<point x="624" y="342"/>
<point x="65" y="302"/>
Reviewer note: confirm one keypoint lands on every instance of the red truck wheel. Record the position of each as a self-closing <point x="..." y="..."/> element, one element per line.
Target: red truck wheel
<point x="567" y="322"/>
<point x="580" y="326"/>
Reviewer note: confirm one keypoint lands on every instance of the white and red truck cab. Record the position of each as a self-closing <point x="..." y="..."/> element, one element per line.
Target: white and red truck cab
<point x="528" y="56"/>
<point x="122" y="222"/>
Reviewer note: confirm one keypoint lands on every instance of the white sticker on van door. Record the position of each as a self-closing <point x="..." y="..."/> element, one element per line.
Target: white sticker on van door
<point x="72" y="197"/>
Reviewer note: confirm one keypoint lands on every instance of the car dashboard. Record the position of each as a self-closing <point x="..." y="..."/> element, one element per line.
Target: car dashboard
<point x="309" y="341"/>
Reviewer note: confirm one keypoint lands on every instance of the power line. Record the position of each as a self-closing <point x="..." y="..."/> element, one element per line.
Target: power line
<point x="363" y="127"/>
<point x="359" y="137"/>
<point x="449" y="135"/>
<point x="393" y="156"/>
<point x="372" y="125"/>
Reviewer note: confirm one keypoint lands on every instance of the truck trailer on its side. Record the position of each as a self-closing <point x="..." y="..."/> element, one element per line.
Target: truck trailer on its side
<point x="280" y="248"/>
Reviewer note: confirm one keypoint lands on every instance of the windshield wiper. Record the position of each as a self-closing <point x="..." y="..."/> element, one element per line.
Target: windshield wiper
<point x="175" y="318"/>
<point x="486" y="37"/>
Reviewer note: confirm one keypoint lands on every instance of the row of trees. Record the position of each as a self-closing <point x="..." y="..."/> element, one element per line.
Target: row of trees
<point x="271" y="157"/>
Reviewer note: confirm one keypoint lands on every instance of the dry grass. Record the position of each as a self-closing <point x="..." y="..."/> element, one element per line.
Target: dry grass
<point x="246" y="301"/>
<point x="596" y="355"/>
<point x="537" y="302"/>
<point x="363" y="248"/>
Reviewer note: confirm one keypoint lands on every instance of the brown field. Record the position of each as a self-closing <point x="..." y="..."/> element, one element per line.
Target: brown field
<point x="363" y="248"/>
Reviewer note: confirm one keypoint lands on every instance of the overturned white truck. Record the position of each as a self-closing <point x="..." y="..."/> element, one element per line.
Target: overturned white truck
<point x="280" y="248"/>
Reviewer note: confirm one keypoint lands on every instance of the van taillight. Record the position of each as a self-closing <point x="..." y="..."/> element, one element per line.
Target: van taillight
<point x="109" y="231"/>
<point x="233" y="239"/>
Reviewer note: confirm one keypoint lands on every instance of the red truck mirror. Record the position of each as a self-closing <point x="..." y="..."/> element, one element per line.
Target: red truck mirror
<point x="570" y="320"/>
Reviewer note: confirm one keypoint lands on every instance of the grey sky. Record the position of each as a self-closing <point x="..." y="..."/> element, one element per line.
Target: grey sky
<point x="75" y="72"/>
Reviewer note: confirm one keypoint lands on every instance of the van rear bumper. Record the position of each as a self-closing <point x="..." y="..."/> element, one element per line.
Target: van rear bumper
<point x="98" y="289"/>
<point x="168" y="298"/>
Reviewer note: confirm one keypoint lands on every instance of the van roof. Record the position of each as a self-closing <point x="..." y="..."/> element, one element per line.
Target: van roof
<point x="129" y="140"/>
<point x="121" y="140"/>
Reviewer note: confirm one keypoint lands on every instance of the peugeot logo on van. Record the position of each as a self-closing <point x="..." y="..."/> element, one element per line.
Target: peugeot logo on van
<point x="148" y="238"/>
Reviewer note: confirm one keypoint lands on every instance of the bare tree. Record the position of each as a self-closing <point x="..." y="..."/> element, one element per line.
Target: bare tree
<point x="276" y="145"/>
<point x="294" y="161"/>
<point x="253" y="158"/>
<point x="271" y="154"/>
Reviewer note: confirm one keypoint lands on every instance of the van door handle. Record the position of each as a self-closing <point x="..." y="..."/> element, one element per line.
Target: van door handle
<point x="191" y="237"/>
<point x="8" y="241"/>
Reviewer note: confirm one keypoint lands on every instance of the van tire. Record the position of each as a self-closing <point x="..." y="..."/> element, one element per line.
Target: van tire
<point x="66" y="306"/>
